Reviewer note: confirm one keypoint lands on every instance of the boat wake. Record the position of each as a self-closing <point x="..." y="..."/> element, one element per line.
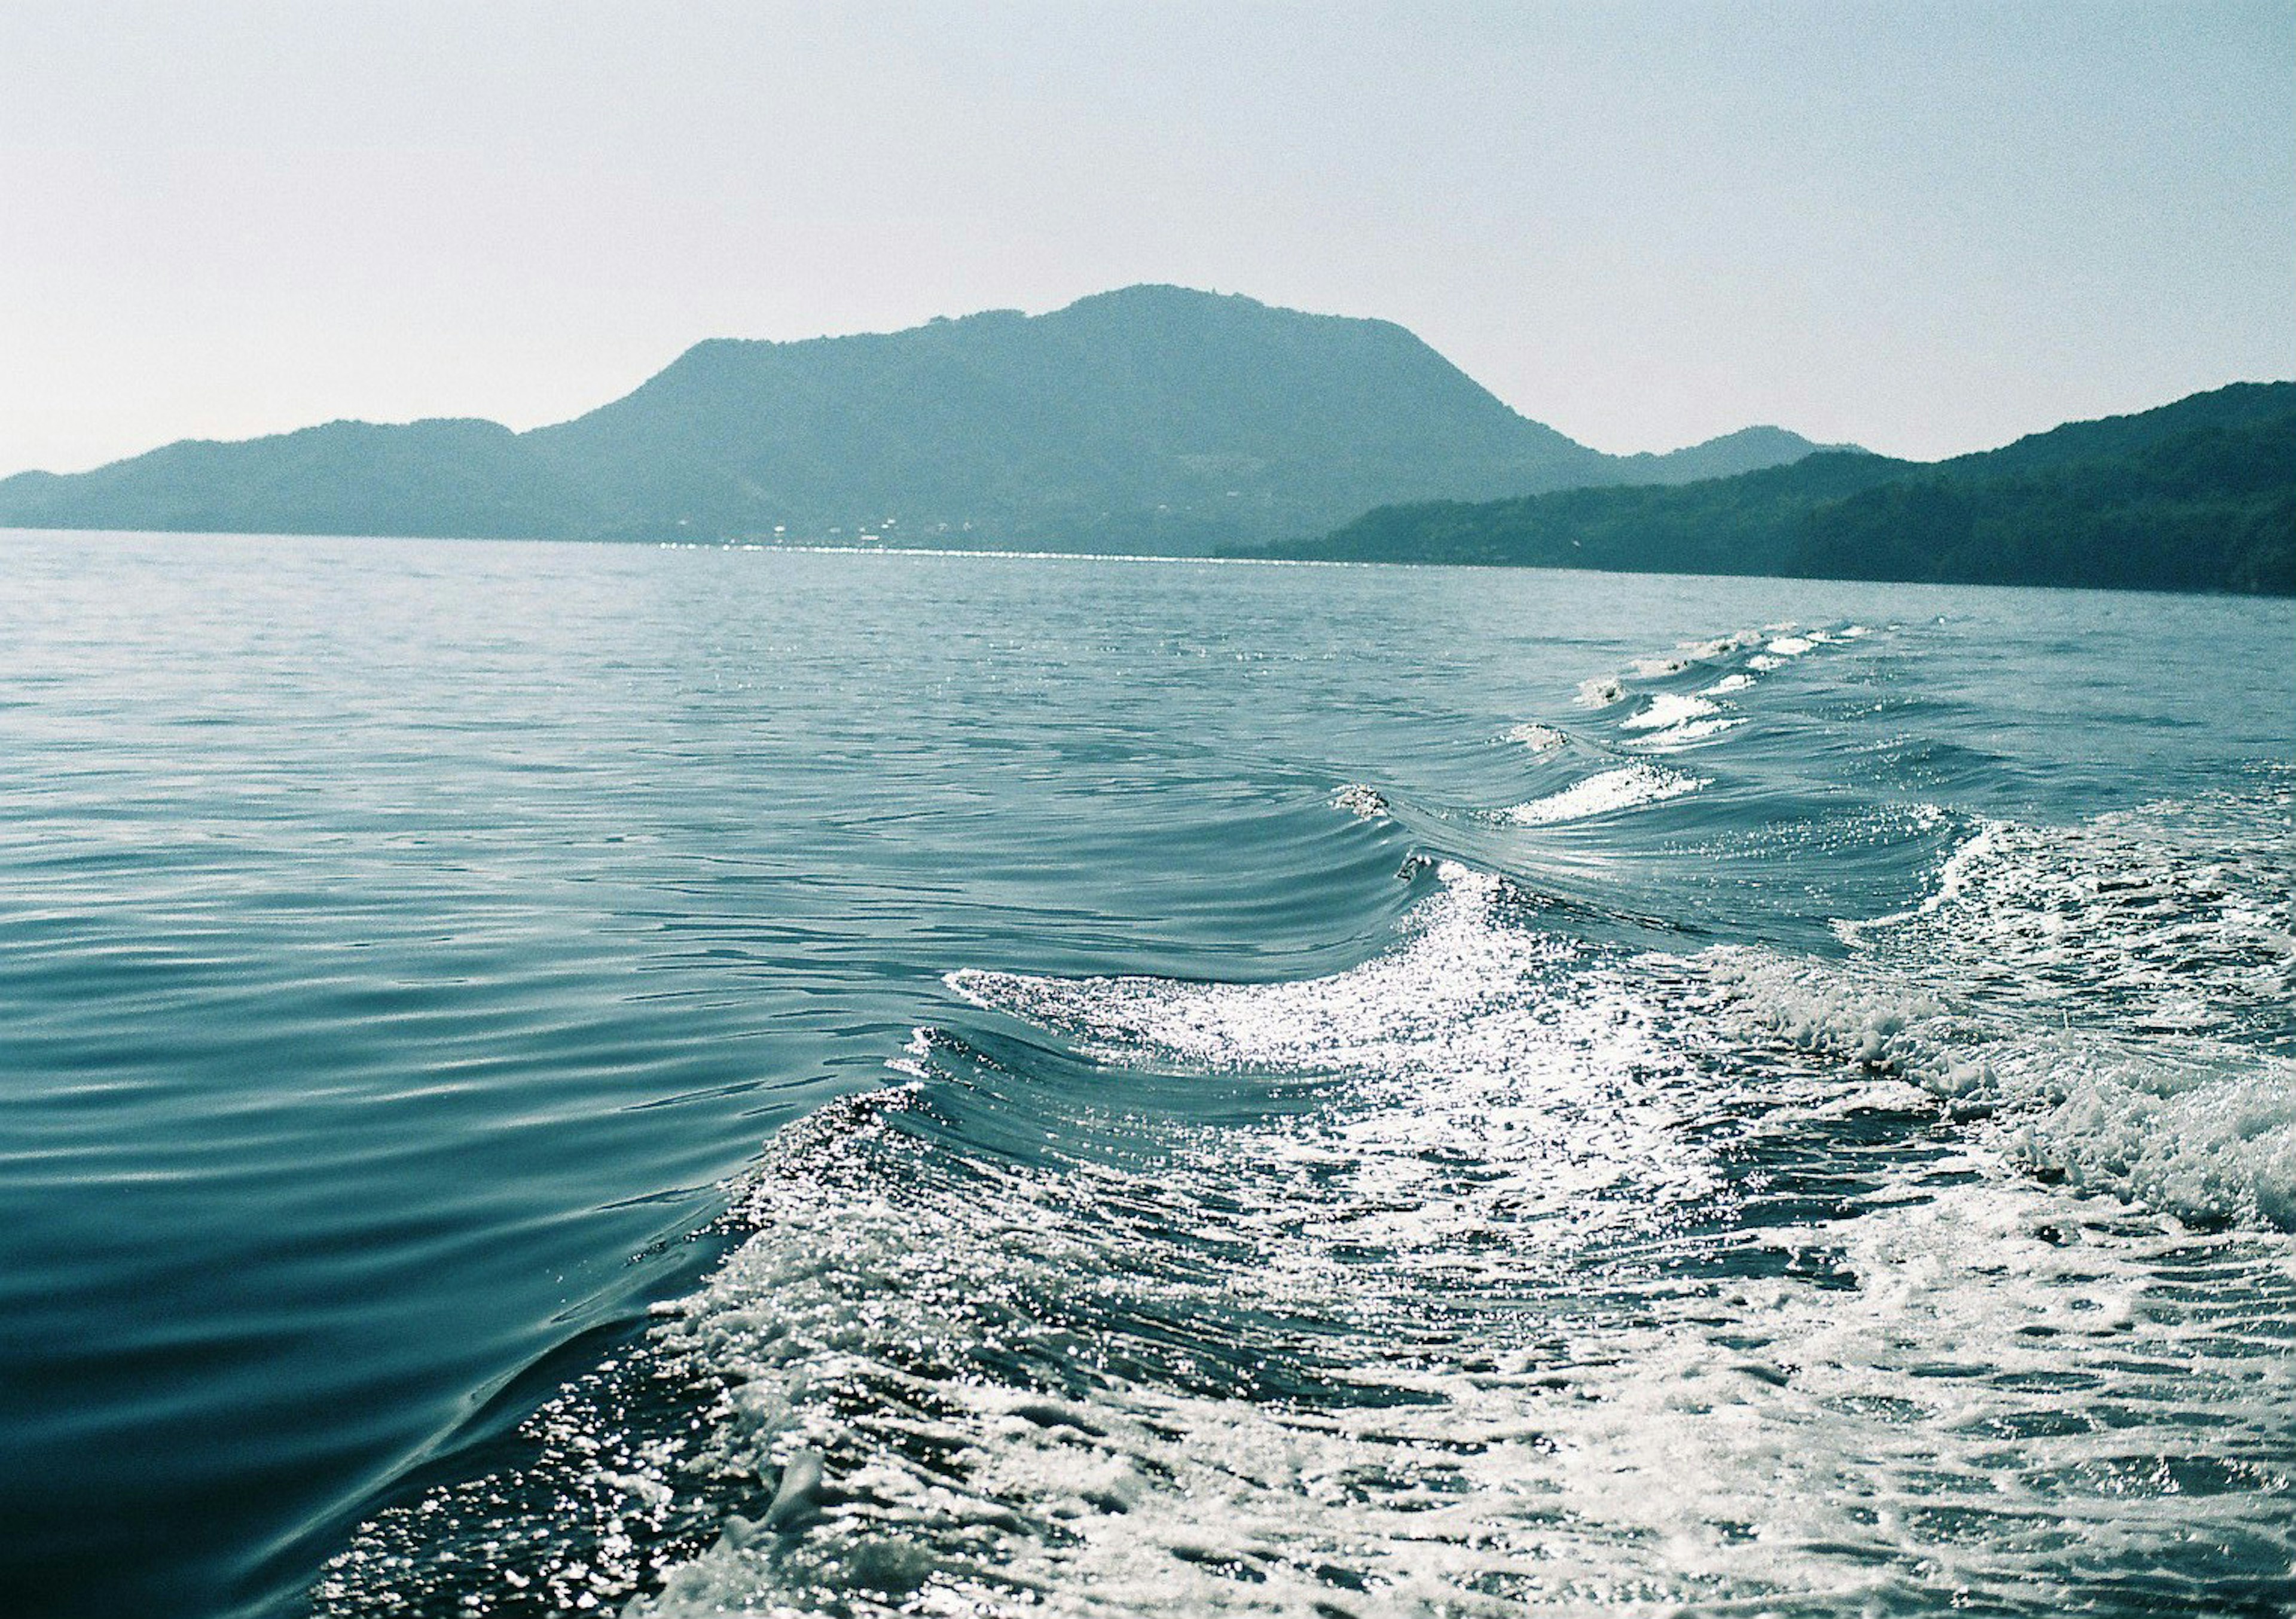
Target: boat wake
<point x="1511" y="1270"/>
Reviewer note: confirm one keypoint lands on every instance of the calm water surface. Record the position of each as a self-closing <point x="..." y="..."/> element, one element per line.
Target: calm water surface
<point x="547" y="1078"/>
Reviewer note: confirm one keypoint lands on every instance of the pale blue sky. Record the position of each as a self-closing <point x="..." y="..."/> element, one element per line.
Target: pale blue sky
<point x="1926" y="228"/>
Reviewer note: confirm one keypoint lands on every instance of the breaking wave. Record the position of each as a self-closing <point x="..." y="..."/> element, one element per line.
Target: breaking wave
<point x="1510" y="1268"/>
<point x="1600" y="795"/>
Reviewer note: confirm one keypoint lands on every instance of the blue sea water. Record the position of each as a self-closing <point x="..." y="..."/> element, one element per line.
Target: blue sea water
<point x="542" y="1079"/>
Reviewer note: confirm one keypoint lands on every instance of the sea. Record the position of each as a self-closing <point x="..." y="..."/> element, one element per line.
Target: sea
<point x="554" y="1079"/>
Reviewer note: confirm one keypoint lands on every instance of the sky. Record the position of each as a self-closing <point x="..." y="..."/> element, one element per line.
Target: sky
<point x="1924" y="228"/>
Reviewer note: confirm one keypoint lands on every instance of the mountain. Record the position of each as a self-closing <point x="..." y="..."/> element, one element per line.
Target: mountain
<point x="1154" y="417"/>
<point x="1747" y="450"/>
<point x="443" y="478"/>
<point x="2198" y="495"/>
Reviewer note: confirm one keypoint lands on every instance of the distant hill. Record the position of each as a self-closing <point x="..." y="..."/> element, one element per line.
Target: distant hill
<point x="439" y="478"/>
<point x="1153" y="418"/>
<point x="1747" y="450"/>
<point x="2200" y="495"/>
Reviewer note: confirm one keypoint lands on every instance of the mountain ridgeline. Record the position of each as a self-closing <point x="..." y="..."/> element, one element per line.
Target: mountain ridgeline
<point x="1154" y="418"/>
<point x="2200" y="495"/>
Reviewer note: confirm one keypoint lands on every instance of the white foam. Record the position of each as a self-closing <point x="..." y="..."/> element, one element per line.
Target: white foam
<point x="2207" y="1133"/>
<point x="1364" y="802"/>
<point x="1605" y="794"/>
<point x="1668" y="709"/>
<point x="1879" y="1023"/>
<point x="1743" y="1440"/>
<point x="2174" y="918"/>
<point x="1538" y="737"/>
<point x="1721" y="646"/>
<point x="1684" y="719"/>
<point x="1688" y="731"/>
<point x="2199" y="1129"/>
<point x="1471" y="1328"/>
<point x="2120" y="991"/>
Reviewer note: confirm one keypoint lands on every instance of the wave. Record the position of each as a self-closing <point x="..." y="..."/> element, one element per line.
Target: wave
<point x="2120" y="990"/>
<point x="1498" y="1273"/>
<point x="1626" y="788"/>
<point x="1538" y="737"/>
<point x="2174" y="919"/>
<point x="1668" y="709"/>
<point x="2202" y="1130"/>
<point x="1504" y="1271"/>
<point x="1729" y="665"/>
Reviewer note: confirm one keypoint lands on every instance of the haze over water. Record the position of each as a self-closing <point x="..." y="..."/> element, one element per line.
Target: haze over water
<point x="1229" y="1088"/>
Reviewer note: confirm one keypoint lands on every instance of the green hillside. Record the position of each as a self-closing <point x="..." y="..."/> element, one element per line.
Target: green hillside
<point x="1152" y="418"/>
<point x="2198" y="494"/>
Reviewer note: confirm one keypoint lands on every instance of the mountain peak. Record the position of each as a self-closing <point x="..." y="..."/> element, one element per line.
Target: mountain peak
<point x="1159" y="295"/>
<point x="1151" y="416"/>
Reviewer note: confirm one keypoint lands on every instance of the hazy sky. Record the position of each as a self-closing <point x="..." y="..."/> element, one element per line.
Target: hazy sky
<point x="1926" y="228"/>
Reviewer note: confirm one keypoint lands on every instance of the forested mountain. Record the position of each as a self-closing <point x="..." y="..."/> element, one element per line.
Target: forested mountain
<point x="2200" y="495"/>
<point x="439" y="478"/>
<point x="1154" y="418"/>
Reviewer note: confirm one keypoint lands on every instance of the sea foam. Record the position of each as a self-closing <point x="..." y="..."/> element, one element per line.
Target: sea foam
<point x="2117" y="991"/>
<point x="1519" y="1302"/>
<point x="1625" y="787"/>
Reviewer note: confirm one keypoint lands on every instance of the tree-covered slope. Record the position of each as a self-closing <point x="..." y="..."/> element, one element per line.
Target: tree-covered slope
<point x="2197" y="494"/>
<point x="1154" y="416"/>
<point x="1151" y="407"/>
<point x="434" y="477"/>
<point x="2213" y="508"/>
